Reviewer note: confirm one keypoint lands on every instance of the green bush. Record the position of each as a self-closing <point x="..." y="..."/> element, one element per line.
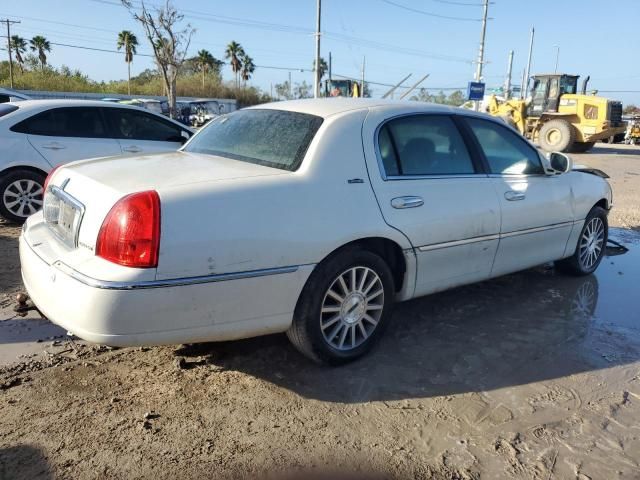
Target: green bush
<point x="148" y="82"/>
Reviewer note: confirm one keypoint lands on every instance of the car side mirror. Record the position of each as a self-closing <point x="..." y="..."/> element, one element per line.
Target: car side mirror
<point x="560" y="163"/>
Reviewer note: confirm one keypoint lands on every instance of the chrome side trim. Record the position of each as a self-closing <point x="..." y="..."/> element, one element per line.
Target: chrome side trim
<point x="172" y="282"/>
<point x="434" y="177"/>
<point x="457" y="243"/>
<point x="484" y="238"/>
<point x="537" y="229"/>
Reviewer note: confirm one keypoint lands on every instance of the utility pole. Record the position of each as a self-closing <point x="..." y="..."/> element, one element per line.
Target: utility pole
<point x="557" y="57"/>
<point x="316" y="83"/>
<point x="9" y="23"/>
<point x="507" y="82"/>
<point x="481" y="48"/>
<point x="525" y="85"/>
<point x="362" y="84"/>
<point x="330" y="87"/>
<point x="290" y="87"/>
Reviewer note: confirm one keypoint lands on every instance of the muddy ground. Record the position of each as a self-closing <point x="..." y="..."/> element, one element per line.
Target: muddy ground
<point x="534" y="375"/>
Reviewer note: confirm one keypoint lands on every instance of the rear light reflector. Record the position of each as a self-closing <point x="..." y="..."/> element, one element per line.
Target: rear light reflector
<point x="130" y="233"/>
<point x="46" y="180"/>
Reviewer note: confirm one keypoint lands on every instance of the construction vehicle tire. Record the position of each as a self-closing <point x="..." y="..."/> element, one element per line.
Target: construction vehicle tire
<point x="557" y="136"/>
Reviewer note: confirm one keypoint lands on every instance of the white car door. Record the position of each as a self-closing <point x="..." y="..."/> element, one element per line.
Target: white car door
<point x="141" y="132"/>
<point x="537" y="209"/>
<point x="430" y="186"/>
<point x="62" y="135"/>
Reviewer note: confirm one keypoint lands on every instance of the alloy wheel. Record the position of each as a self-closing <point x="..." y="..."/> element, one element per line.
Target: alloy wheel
<point x="592" y="243"/>
<point x="23" y="197"/>
<point x="352" y="308"/>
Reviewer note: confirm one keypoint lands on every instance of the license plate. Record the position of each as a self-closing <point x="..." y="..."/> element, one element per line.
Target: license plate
<point x="63" y="215"/>
<point x="66" y="218"/>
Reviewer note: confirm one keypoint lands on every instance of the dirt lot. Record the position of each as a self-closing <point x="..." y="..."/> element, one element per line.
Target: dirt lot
<point x="534" y="375"/>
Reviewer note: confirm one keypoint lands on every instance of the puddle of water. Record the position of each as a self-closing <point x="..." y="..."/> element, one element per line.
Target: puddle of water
<point x="618" y="296"/>
<point x="26" y="337"/>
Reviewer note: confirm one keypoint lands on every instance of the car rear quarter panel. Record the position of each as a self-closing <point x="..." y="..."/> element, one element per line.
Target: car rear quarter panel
<point x="18" y="152"/>
<point x="294" y="219"/>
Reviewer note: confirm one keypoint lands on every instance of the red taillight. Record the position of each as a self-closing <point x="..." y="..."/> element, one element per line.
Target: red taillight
<point x="130" y="234"/>
<point x="46" y="181"/>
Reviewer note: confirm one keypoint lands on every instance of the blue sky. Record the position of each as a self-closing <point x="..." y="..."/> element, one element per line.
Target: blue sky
<point x="395" y="41"/>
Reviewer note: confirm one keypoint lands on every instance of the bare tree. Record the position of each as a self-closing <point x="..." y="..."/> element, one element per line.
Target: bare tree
<point x="169" y="41"/>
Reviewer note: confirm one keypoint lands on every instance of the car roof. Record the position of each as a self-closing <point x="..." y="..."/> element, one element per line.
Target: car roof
<point x="37" y="105"/>
<point x="325" y="107"/>
<point x="69" y="103"/>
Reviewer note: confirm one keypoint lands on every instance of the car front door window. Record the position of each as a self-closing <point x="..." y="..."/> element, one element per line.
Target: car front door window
<point x="506" y="152"/>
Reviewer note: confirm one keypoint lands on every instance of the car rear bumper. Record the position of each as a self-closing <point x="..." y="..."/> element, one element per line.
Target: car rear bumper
<point x="228" y="307"/>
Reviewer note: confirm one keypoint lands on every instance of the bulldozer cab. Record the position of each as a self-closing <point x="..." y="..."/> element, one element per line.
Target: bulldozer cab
<point x="547" y="90"/>
<point x="342" y="88"/>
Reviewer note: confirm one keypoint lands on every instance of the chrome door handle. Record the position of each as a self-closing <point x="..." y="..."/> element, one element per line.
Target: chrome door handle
<point x="514" y="196"/>
<point x="54" y="146"/>
<point x="132" y="149"/>
<point x="407" y="202"/>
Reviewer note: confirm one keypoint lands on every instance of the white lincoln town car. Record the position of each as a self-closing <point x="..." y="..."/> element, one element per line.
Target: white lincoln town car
<point x="309" y="217"/>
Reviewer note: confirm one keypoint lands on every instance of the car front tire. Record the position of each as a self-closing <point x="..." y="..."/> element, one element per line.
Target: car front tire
<point x="21" y="194"/>
<point x="591" y="245"/>
<point x="344" y="307"/>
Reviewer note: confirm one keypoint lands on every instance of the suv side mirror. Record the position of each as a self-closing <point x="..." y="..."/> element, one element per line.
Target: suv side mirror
<point x="560" y="162"/>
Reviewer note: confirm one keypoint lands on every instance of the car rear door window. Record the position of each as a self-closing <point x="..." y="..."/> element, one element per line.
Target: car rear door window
<point x="423" y="145"/>
<point x="130" y="124"/>
<point x="85" y="122"/>
<point x="505" y="150"/>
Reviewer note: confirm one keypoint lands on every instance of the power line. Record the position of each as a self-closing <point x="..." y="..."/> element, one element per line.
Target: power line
<point x="448" y="2"/>
<point x="430" y="14"/>
<point x="294" y="29"/>
<point x="394" y="48"/>
<point x="62" y="23"/>
<point x="97" y="49"/>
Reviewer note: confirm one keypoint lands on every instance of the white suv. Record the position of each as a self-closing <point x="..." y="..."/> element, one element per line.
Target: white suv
<point x="38" y="135"/>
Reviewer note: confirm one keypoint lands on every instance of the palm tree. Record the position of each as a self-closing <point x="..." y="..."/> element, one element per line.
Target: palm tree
<point x="41" y="45"/>
<point x="322" y="69"/>
<point x="205" y="61"/>
<point x="248" y="67"/>
<point x="129" y="42"/>
<point x="233" y="52"/>
<point x="19" y="46"/>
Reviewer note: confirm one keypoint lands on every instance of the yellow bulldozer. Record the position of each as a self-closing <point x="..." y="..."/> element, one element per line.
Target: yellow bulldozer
<point x="558" y="118"/>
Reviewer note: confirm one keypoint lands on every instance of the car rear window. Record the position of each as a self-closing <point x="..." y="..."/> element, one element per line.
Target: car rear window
<point x="84" y="122"/>
<point x="6" y="109"/>
<point x="274" y="138"/>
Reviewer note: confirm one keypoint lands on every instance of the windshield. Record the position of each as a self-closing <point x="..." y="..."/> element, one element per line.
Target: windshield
<point x="274" y="138"/>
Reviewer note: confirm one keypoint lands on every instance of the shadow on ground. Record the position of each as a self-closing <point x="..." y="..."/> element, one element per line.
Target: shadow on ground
<point x="24" y="462"/>
<point x="615" y="149"/>
<point x="527" y="327"/>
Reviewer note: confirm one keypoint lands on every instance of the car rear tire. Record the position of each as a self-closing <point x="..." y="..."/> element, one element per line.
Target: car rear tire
<point x="591" y="245"/>
<point x="21" y="194"/>
<point x="343" y="308"/>
<point x="557" y="136"/>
